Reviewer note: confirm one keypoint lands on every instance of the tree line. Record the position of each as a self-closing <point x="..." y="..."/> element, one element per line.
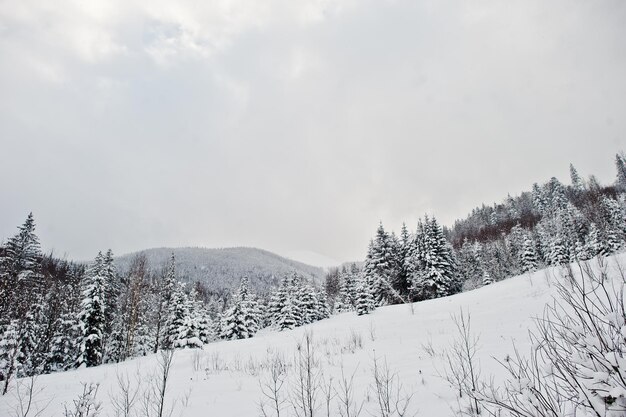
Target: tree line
<point x="552" y="224"/>
<point x="57" y="315"/>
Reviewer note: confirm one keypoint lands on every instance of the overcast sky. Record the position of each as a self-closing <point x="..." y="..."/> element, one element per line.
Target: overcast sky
<point x="294" y="125"/>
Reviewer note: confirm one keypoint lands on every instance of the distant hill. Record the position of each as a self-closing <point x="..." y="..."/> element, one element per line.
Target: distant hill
<point x="222" y="269"/>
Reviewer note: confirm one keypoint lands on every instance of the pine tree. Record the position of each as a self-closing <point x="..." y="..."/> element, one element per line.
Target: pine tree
<point x="593" y="246"/>
<point x="539" y="199"/>
<point x="557" y="254"/>
<point x="620" y="165"/>
<point x="365" y="302"/>
<point x="92" y="315"/>
<point x="9" y="351"/>
<point x="528" y="256"/>
<point x="20" y="276"/>
<point x="240" y="321"/>
<point x="557" y="196"/>
<point x="487" y="280"/>
<point x="405" y="247"/>
<point x="65" y="350"/>
<point x="288" y="318"/>
<point x="111" y="294"/>
<point x="381" y="266"/>
<point x="177" y="313"/>
<point x="433" y="262"/>
<point x="577" y="182"/>
<point x="165" y="291"/>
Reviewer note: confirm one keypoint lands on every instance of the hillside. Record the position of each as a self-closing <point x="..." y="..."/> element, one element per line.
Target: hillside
<point x="222" y="269"/>
<point x="224" y="378"/>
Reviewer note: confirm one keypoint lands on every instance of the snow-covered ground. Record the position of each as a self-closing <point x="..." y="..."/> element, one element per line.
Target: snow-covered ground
<point x="224" y="378"/>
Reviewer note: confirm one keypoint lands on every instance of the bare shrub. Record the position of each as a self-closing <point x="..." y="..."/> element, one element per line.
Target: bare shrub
<point x="390" y="396"/>
<point x="196" y="359"/>
<point x="153" y="400"/>
<point x="305" y="387"/>
<point x="577" y="365"/>
<point x="26" y="397"/>
<point x="372" y="330"/>
<point x="462" y="368"/>
<point x="348" y="406"/>
<point x="272" y="387"/>
<point x="124" y="400"/>
<point x="354" y="342"/>
<point x="327" y="388"/>
<point x="86" y="405"/>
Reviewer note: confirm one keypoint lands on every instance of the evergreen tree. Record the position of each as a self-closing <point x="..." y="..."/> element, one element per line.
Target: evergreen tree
<point x="528" y="256"/>
<point x="20" y="275"/>
<point x="165" y="291"/>
<point x="593" y="246"/>
<point x="92" y="315"/>
<point x="365" y="302"/>
<point x="577" y="182"/>
<point x="111" y="294"/>
<point x="65" y="350"/>
<point x="539" y="199"/>
<point x="381" y="266"/>
<point x="241" y="321"/>
<point x="9" y="351"/>
<point x="288" y="318"/>
<point x="177" y="313"/>
<point x="487" y="278"/>
<point x="434" y="265"/>
<point x="620" y="166"/>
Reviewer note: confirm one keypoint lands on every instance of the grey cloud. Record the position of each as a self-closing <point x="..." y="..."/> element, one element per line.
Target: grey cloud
<point x="295" y="127"/>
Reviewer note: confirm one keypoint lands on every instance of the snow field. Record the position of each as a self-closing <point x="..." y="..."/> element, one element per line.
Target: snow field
<point x="224" y="379"/>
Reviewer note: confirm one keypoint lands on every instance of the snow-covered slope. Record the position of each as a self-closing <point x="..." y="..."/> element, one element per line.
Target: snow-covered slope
<point x="225" y="380"/>
<point x="222" y="269"/>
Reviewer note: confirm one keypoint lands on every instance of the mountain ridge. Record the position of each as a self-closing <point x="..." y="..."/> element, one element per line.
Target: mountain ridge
<point x="221" y="269"/>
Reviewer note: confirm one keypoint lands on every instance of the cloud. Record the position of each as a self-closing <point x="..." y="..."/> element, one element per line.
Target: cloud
<point x="294" y="126"/>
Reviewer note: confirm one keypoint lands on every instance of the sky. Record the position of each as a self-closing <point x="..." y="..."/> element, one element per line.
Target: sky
<point x="294" y="126"/>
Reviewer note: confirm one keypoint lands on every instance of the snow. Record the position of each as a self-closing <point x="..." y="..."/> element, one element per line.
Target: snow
<point x="223" y="378"/>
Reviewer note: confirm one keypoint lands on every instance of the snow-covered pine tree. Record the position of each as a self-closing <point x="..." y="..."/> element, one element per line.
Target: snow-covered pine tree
<point x="111" y="294"/>
<point x="620" y="165"/>
<point x="20" y="272"/>
<point x="240" y="320"/>
<point x="164" y="290"/>
<point x="322" y="310"/>
<point x="365" y="302"/>
<point x="469" y="262"/>
<point x="614" y="220"/>
<point x="557" y="253"/>
<point x="404" y="249"/>
<point x="487" y="278"/>
<point x="434" y="265"/>
<point x="592" y="246"/>
<point x="92" y="315"/>
<point x="539" y="199"/>
<point x="381" y="267"/>
<point x="557" y="196"/>
<point x="577" y="183"/>
<point x="288" y="318"/>
<point x="308" y="302"/>
<point x="9" y="351"/>
<point x="177" y="313"/>
<point x="64" y="349"/>
<point x="278" y="300"/>
<point x="528" y="259"/>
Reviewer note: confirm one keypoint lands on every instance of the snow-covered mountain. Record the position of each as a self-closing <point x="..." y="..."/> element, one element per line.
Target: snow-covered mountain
<point x="227" y="378"/>
<point x="222" y="269"/>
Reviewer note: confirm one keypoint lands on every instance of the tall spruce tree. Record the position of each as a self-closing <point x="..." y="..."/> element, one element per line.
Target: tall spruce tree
<point x="577" y="183"/>
<point x="92" y="315"/>
<point x="434" y="267"/>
